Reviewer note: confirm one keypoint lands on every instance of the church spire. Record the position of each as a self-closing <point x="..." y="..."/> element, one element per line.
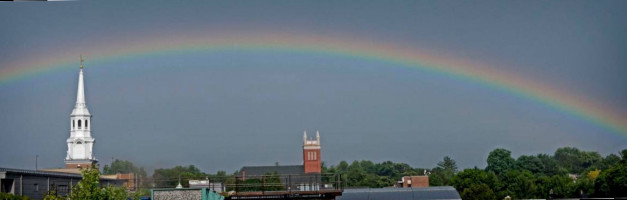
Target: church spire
<point x="80" y="94"/>
<point x="80" y="143"/>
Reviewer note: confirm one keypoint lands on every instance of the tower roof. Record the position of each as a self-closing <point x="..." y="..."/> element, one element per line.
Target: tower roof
<point x="80" y="108"/>
<point x="313" y="142"/>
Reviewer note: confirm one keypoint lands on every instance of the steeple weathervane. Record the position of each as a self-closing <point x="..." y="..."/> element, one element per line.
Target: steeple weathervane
<point x="82" y="61"/>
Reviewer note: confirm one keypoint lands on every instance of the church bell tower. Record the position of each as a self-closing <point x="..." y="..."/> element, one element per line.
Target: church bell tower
<point x="311" y="154"/>
<point x="80" y="143"/>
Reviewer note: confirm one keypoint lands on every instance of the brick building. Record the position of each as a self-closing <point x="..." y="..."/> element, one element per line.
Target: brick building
<point x="301" y="176"/>
<point x="413" y="182"/>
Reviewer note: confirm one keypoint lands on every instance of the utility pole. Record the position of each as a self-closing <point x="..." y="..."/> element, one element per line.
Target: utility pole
<point x="36" y="159"/>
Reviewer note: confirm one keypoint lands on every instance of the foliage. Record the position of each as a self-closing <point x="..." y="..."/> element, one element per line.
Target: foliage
<point x="123" y="166"/>
<point x="518" y="184"/>
<point x="170" y="177"/>
<point x="54" y="196"/>
<point x="448" y="164"/>
<point x="471" y="177"/>
<point x="613" y="181"/>
<point x="89" y="188"/>
<point x="576" y="161"/>
<point x="478" y="192"/>
<point x="6" y="196"/>
<point x="557" y="186"/>
<point x="368" y="174"/>
<point x="269" y="182"/>
<point x="592" y="175"/>
<point x="544" y="176"/>
<point x="500" y="161"/>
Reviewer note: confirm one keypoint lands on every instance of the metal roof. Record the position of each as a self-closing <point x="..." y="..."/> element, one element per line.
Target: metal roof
<point x="43" y="173"/>
<point x="426" y="193"/>
<point x="39" y="173"/>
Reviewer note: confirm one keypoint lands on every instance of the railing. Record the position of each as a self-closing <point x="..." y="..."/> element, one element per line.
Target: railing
<point x="286" y="183"/>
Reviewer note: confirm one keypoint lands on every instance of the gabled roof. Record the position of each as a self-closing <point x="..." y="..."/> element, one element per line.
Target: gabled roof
<point x="283" y="170"/>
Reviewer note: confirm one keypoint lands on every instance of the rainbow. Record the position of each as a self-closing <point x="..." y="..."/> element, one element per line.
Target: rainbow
<point x="370" y="50"/>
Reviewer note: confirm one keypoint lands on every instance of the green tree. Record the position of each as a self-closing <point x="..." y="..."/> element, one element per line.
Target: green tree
<point x="613" y="181"/>
<point x="272" y="182"/>
<point x="6" y="196"/>
<point x="89" y="188"/>
<point x="220" y="176"/>
<point x="123" y="167"/>
<point x="170" y="177"/>
<point x="518" y="185"/>
<point x="550" y="166"/>
<point x="576" y="161"/>
<point x="478" y="192"/>
<point x="469" y="177"/>
<point x="437" y="177"/>
<point x="500" y="161"/>
<point x="561" y="185"/>
<point x="530" y="163"/>
<point x="608" y="162"/>
<point x="448" y="164"/>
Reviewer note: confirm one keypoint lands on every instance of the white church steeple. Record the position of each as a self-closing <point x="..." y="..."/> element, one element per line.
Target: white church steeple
<point x="80" y="143"/>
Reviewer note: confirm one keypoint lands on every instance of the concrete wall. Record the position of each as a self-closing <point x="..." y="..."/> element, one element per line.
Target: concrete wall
<point x="177" y="194"/>
<point x="185" y="194"/>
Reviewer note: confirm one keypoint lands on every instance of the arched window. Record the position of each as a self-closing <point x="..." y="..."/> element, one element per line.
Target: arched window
<point x="79" y="124"/>
<point x="73" y="123"/>
<point x="86" y="123"/>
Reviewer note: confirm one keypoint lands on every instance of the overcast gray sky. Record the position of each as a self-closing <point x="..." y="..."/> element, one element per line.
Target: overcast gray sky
<point x="220" y="110"/>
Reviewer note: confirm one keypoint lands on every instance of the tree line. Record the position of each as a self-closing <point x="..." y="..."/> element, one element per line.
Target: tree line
<point x="569" y="172"/>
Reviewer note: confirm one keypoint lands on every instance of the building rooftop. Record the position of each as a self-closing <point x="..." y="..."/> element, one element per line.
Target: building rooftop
<point x="40" y="173"/>
<point x="426" y="193"/>
<point x="47" y="172"/>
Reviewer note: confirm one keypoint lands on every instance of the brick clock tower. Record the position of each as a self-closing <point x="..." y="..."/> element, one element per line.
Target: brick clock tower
<point x="311" y="154"/>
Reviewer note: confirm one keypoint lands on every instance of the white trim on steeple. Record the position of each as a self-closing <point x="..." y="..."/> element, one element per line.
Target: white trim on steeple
<point x="80" y="143"/>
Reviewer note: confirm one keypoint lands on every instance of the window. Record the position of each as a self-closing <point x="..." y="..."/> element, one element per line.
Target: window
<point x="73" y="123"/>
<point x="315" y="154"/>
<point x="36" y="187"/>
<point x="63" y="189"/>
<point x="86" y="123"/>
<point x="79" y="124"/>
